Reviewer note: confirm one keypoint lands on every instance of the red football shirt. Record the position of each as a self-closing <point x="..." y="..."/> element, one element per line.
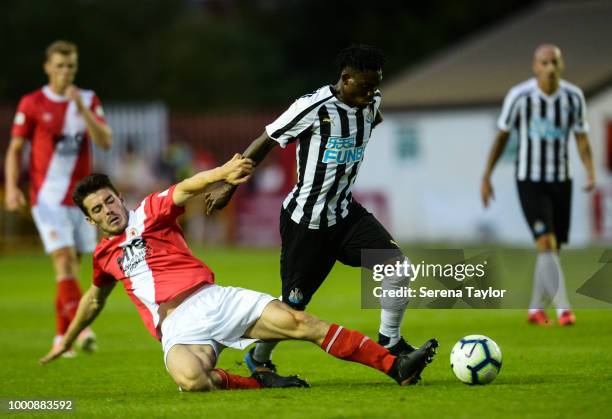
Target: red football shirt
<point x="61" y="151"/>
<point x="151" y="258"/>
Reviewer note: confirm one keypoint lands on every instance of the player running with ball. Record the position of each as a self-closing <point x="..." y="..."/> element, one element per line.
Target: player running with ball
<point x="320" y="222"/>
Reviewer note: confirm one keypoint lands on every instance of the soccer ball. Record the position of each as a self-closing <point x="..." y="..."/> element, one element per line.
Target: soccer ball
<point x="476" y="359"/>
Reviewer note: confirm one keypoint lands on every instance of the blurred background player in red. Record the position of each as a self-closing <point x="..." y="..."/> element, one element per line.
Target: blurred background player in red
<point x="59" y="120"/>
<point x="542" y="111"/>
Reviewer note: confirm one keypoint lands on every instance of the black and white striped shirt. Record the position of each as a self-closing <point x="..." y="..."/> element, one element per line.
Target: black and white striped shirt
<point x="542" y="124"/>
<point x="332" y="138"/>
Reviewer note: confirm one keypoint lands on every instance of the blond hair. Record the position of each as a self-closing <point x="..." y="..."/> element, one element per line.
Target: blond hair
<point x="61" y="47"/>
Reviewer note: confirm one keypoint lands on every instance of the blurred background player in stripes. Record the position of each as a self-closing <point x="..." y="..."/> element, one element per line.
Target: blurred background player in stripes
<point x="59" y="120"/>
<point x="542" y="112"/>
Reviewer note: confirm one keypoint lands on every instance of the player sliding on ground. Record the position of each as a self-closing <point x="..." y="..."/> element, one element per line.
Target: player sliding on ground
<point x="180" y="305"/>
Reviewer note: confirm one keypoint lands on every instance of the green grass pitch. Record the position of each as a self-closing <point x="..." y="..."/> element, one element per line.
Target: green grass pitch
<point x="555" y="372"/>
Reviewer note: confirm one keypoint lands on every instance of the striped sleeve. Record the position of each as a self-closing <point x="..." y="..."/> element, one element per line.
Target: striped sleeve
<point x="509" y="110"/>
<point x="581" y="125"/>
<point x="295" y="120"/>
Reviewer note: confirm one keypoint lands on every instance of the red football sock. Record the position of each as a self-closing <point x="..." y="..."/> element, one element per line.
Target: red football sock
<point x="61" y="322"/>
<point x="69" y="294"/>
<point x="235" y="382"/>
<point x="352" y="345"/>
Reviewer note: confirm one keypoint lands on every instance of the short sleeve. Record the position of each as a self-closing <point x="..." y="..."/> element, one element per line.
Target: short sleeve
<point x="101" y="278"/>
<point x="581" y="125"/>
<point x="377" y="100"/>
<point x="23" y="123"/>
<point x="96" y="108"/>
<point x="161" y="206"/>
<point x="295" y="120"/>
<point x="509" y="111"/>
<point x="376" y="106"/>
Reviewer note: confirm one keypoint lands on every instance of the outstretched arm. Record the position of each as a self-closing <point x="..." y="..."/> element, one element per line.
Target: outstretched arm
<point x="236" y="171"/>
<point x="584" y="149"/>
<point x="486" y="189"/>
<point x="256" y="151"/>
<point x="90" y="306"/>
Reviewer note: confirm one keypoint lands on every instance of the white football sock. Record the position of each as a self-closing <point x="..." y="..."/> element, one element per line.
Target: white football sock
<point x="390" y="322"/>
<point x="554" y="280"/>
<point x="539" y="295"/>
<point x="393" y="308"/>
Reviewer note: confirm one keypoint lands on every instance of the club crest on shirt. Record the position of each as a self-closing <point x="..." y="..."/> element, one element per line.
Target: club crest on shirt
<point x="47" y="117"/>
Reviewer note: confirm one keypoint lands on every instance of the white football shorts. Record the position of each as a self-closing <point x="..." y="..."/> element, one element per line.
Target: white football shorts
<point x="64" y="226"/>
<point x="216" y="316"/>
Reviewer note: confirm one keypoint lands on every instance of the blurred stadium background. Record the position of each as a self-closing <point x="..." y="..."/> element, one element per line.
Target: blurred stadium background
<point x="187" y="83"/>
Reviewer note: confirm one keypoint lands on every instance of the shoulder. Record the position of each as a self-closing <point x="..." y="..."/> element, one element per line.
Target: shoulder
<point x="570" y="88"/>
<point x="32" y="97"/>
<point x="87" y="92"/>
<point x="522" y="88"/>
<point x="319" y="96"/>
<point x="101" y="250"/>
<point x="88" y="96"/>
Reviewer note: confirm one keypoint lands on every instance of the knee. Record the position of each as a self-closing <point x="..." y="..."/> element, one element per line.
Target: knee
<point x="64" y="260"/>
<point x="194" y="382"/>
<point x="307" y="327"/>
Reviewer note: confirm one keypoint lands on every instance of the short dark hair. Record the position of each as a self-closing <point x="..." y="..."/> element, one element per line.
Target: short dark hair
<point x="89" y="185"/>
<point x="361" y="57"/>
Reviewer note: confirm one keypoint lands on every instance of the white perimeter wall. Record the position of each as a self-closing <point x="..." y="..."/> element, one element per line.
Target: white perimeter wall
<point x="435" y="196"/>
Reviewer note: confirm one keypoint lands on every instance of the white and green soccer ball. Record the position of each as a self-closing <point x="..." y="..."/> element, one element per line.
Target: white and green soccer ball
<point x="476" y="359"/>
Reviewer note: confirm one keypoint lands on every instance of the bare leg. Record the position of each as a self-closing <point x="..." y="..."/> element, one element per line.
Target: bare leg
<point x="65" y="263"/>
<point x="280" y="322"/>
<point x="191" y="367"/>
